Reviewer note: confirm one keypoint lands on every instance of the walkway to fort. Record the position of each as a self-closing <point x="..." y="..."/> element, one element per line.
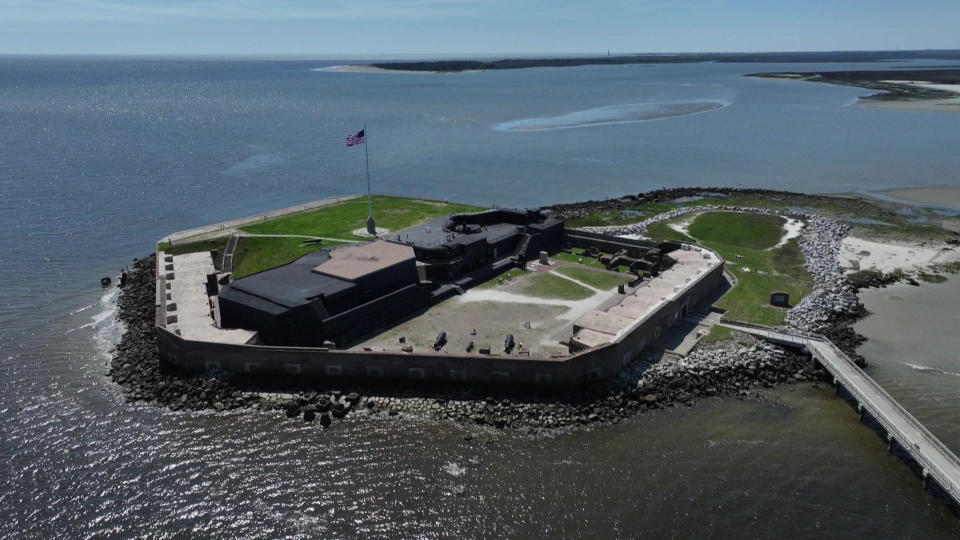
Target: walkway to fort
<point x="936" y="460"/>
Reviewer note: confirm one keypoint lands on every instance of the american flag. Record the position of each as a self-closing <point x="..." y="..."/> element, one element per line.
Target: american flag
<point x="354" y="140"/>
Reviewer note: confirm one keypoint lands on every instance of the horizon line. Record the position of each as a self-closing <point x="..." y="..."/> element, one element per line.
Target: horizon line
<point x="321" y="56"/>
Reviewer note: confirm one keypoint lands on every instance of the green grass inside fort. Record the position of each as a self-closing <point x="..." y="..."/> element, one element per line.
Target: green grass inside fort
<point x="537" y="285"/>
<point x="593" y="278"/>
<point x="338" y="221"/>
<point x="744" y="241"/>
<point x="256" y="254"/>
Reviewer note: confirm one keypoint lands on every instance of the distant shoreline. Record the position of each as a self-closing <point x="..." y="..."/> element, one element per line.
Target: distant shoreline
<point x="365" y="68"/>
<point x="930" y="90"/>
<point x="452" y="66"/>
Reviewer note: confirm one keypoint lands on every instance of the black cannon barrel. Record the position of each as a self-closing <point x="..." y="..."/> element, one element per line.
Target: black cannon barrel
<point x="440" y="341"/>
<point x="508" y="343"/>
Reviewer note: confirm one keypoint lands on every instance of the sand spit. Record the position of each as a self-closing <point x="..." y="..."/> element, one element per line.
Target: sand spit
<point x="861" y="254"/>
<point x="951" y="104"/>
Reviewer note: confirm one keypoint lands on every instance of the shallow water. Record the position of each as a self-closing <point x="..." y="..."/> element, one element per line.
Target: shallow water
<point x="100" y="157"/>
<point x="912" y="348"/>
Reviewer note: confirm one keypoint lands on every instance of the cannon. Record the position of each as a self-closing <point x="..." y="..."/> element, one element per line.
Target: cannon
<point x="440" y="341"/>
<point x="469" y="347"/>
<point x="508" y="344"/>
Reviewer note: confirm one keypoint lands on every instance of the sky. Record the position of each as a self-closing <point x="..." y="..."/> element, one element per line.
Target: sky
<point x="382" y="28"/>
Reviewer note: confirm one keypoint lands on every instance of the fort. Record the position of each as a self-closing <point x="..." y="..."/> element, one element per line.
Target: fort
<point x="494" y="296"/>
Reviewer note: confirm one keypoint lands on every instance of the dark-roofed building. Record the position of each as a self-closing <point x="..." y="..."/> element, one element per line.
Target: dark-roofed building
<point x="337" y="295"/>
<point x="451" y="246"/>
<point x="343" y="294"/>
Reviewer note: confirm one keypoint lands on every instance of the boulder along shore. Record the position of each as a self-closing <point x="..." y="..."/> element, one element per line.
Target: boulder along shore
<point x="729" y="370"/>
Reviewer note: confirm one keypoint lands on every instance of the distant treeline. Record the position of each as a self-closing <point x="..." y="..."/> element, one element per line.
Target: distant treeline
<point x="788" y="57"/>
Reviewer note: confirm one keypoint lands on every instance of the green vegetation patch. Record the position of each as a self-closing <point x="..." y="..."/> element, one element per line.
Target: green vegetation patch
<point x="634" y="214"/>
<point x="578" y="256"/>
<point x="503" y="279"/>
<point x="219" y="243"/>
<point x="537" y="284"/>
<point x="718" y="333"/>
<point x="256" y="254"/>
<point x="547" y="285"/>
<point x="593" y="278"/>
<point x="932" y="278"/>
<point x="781" y="269"/>
<point x="339" y="220"/>
<point x="948" y="267"/>
<point x="759" y="271"/>
<point x="755" y="231"/>
<point x="662" y="232"/>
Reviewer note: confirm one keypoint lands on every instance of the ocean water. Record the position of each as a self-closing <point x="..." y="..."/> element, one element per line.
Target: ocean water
<point x="99" y="157"/>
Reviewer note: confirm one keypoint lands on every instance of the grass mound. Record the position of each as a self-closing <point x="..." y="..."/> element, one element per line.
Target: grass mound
<point x="256" y="254"/>
<point x="599" y="280"/>
<point x="338" y="221"/>
<point x="754" y="231"/>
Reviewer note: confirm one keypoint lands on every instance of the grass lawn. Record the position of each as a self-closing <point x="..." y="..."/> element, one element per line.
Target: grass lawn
<point x="731" y="234"/>
<point x="219" y="243"/>
<point x="718" y="333"/>
<point x="578" y="255"/>
<point x="756" y="231"/>
<point x="599" y="280"/>
<point x="538" y="284"/>
<point x="546" y="285"/>
<point x="258" y="254"/>
<point x="507" y="277"/>
<point x="340" y="220"/>
<point x="661" y="232"/>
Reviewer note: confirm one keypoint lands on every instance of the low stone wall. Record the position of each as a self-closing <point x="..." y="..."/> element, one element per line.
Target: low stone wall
<point x="315" y="363"/>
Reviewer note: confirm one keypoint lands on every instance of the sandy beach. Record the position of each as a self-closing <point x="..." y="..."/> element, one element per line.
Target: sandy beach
<point x="861" y="254"/>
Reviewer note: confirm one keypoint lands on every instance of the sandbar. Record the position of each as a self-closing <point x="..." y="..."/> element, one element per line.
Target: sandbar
<point x="613" y="114"/>
<point x="945" y="197"/>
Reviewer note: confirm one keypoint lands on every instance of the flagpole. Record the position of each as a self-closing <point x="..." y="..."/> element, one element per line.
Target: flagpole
<point x="371" y="225"/>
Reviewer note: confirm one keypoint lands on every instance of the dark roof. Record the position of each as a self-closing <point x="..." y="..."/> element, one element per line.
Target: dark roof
<point x="293" y="284"/>
<point x="432" y="234"/>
